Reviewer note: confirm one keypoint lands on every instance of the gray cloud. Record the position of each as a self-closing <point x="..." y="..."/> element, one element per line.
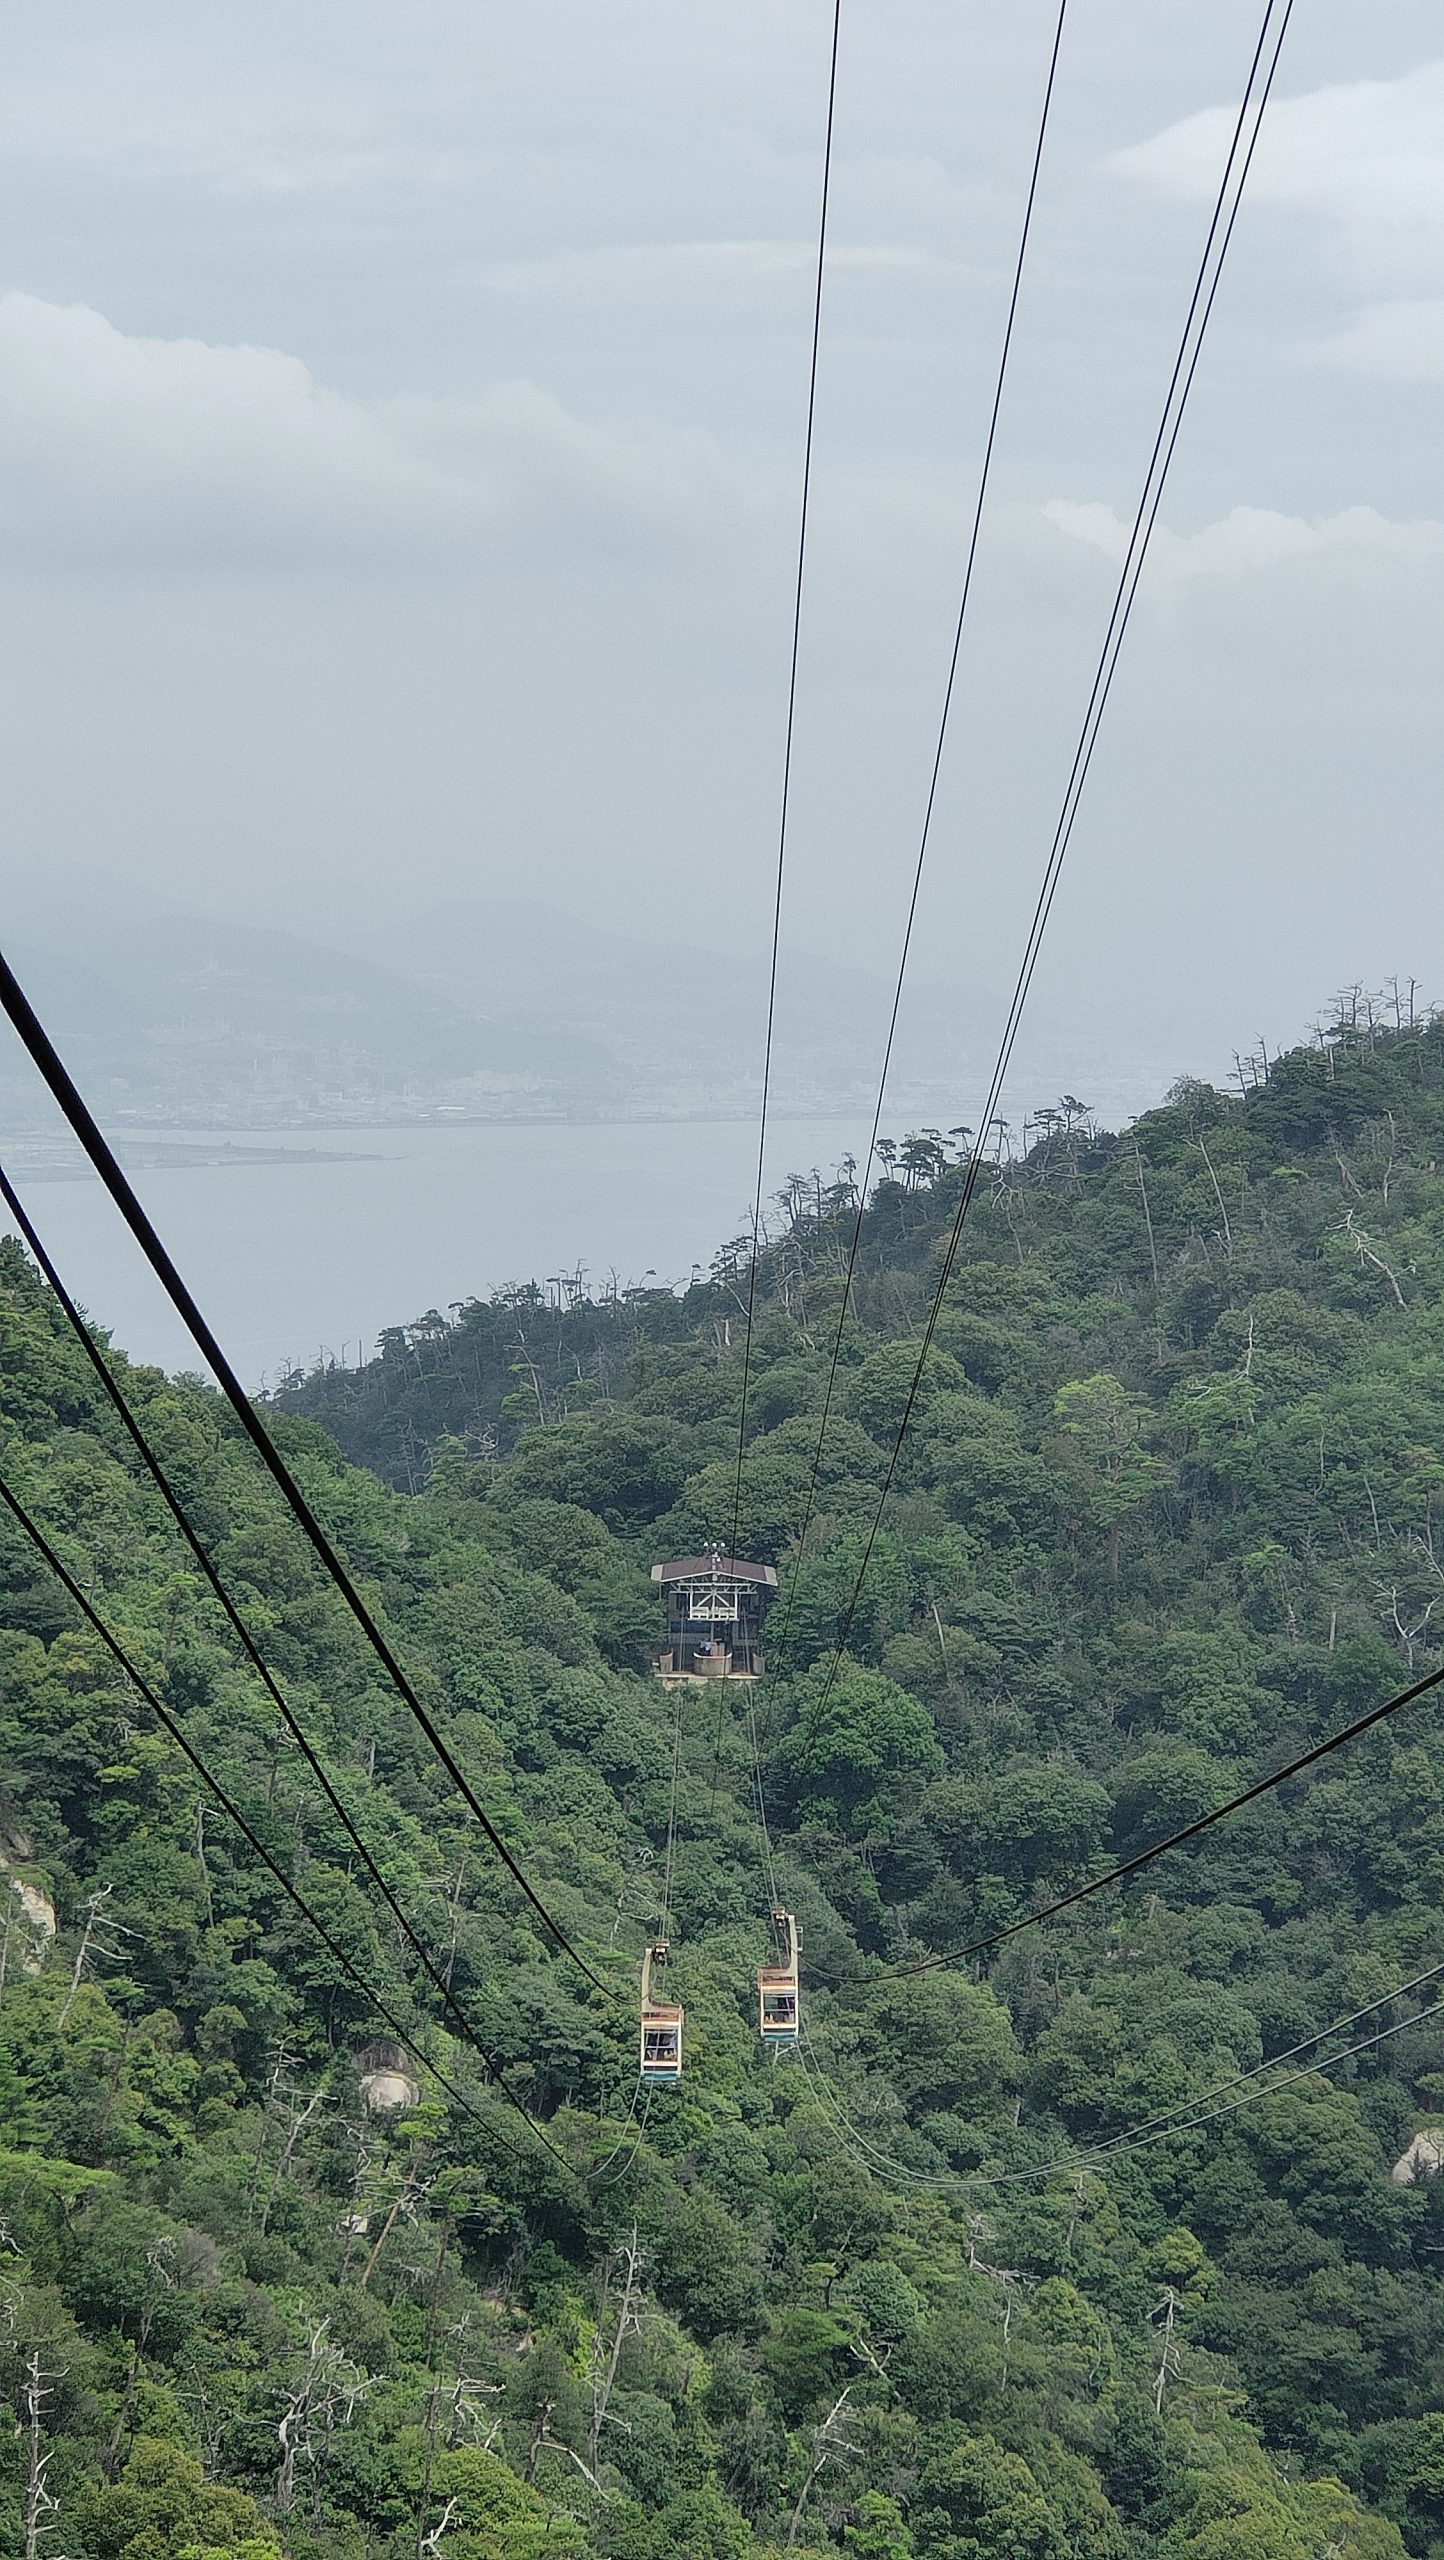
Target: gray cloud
<point x="144" y="450"/>
<point x="400" y="439"/>
<point x="1250" y="539"/>
<point x="1363" y="161"/>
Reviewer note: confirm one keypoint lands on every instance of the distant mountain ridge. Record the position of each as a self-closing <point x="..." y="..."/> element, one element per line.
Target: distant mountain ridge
<point x="495" y="1009"/>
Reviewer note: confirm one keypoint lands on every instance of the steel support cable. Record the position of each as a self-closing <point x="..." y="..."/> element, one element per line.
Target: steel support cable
<point x="1175" y="1840"/>
<point x="845" y="2131"/>
<point x="868" y="2154"/>
<point x="974" y="536"/>
<point x="665" y="1931"/>
<point x="1132" y="573"/>
<point x="1154" y="2129"/>
<point x="176" y="1732"/>
<point x="1220" y="232"/>
<point x="249" y="1647"/>
<point x="667" y="1862"/>
<point x="597" y="2175"/>
<point x="638" y="2138"/>
<point x="786" y="805"/>
<point x="1166" y="2120"/>
<point x="1291" y="2079"/>
<point x="1178" y="2118"/>
<point x="769" y="1870"/>
<point x="936" y="2181"/>
<point x="52" y="1069"/>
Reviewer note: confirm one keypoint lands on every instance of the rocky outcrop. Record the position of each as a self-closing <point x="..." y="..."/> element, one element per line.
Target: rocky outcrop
<point x="1423" y="2159"/>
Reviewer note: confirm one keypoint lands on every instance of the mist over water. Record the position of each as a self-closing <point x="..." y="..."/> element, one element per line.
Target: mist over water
<point x="308" y="1244"/>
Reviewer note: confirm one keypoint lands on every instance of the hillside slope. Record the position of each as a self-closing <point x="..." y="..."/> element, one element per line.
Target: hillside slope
<point x="1166" y="1515"/>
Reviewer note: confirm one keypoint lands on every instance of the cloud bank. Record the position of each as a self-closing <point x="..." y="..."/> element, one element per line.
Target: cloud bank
<point x="1363" y="159"/>
<point x="146" y="451"/>
<point x="1250" y="539"/>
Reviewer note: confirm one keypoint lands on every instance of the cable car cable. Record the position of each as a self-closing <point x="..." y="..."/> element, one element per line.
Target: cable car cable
<point x="666" y="1913"/>
<point x="596" y="2175"/>
<point x="638" y="2138"/>
<point x="1215" y="2115"/>
<point x="1099" y="2161"/>
<point x="769" y="1868"/>
<point x="1154" y="2129"/>
<point x="178" y="1736"/>
<point x="254" y="1656"/>
<point x="1200" y="308"/>
<point x="1175" y="1840"/>
<point x="32" y="1033"/>
<point x="1146" y="517"/>
<point x="984" y="478"/>
<point x="1175" y="2119"/>
<point x="661" y="2021"/>
<point x="786" y="805"/>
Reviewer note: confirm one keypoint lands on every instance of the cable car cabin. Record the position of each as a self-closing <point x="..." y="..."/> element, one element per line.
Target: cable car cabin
<point x="715" y="1608"/>
<point x="660" y="2050"/>
<point x="778" y="1998"/>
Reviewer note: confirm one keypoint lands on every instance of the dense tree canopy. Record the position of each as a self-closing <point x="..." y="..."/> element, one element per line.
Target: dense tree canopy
<point x="1164" y="1514"/>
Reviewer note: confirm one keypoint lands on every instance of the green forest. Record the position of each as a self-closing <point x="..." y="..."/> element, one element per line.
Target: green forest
<point x="1162" y="1517"/>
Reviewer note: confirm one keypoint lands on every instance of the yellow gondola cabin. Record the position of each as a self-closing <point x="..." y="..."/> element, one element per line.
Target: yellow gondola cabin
<point x="778" y="2006"/>
<point x="660" y="2053"/>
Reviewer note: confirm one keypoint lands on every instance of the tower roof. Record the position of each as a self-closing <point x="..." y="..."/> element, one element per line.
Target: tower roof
<point x="687" y="1568"/>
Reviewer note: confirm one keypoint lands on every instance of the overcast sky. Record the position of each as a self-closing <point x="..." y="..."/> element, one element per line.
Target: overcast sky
<point x="401" y="413"/>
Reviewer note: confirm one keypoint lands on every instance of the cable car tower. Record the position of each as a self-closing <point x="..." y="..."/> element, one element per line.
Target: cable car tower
<point x="715" y="1608"/>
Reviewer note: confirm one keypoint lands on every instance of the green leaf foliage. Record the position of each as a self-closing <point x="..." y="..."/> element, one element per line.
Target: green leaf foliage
<point x="1005" y="2262"/>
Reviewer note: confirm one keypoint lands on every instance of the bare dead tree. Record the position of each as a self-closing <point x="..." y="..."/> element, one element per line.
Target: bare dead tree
<point x="159" y="2280"/>
<point x="41" y="2505"/>
<point x="555" y="2444"/>
<point x="97" y="1946"/>
<point x="1392" y="1159"/>
<point x="300" y="2117"/>
<point x="1147" y="1212"/>
<point x="327" y="2392"/>
<point x="1409" y="1635"/>
<point x="431" y="2542"/>
<point x="538" y="2439"/>
<point x="830" y="2444"/>
<point x="604" y="2370"/>
<point x="1227" y="1237"/>
<point x="404" y="2202"/>
<point x="1164" y="2318"/>
<point x="1365" y="1251"/>
<point x="468" y="2421"/>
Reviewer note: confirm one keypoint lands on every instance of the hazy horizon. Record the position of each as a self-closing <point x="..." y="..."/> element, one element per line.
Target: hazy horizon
<point x="400" y="417"/>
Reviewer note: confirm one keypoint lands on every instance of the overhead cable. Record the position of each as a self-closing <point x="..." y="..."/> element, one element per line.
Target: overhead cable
<point x="253" y="1654"/>
<point x="1215" y="250"/>
<point x="231" y="1809"/>
<point x="980" y="502"/>
<point x="1144" y="1857"/>
<point x="1190" y="2116"/>
<point x="598" y="2176"/>
<point x="786" y="806"/>
<point x="36" y="1039"/>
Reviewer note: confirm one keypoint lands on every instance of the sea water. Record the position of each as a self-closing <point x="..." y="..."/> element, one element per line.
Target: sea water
<point x="303" y="1244"/>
